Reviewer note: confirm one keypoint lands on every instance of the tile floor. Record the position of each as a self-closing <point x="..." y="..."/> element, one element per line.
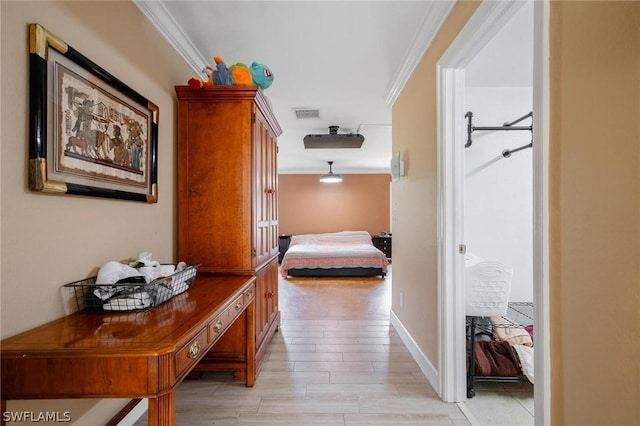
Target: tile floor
<point x="337" y="361"/>
<point x="502" y="404"/>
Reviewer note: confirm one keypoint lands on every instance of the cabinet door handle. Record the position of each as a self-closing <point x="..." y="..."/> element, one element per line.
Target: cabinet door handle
<point x="194" y="349"/>
<point x="218" y="326"/>
<point x="239" y="305"/>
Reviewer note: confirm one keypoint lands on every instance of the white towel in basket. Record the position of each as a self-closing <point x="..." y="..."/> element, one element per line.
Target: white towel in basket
<point x="112" y="272"/>
<point x="129" y="302"/>
<point x="109" y="274"/>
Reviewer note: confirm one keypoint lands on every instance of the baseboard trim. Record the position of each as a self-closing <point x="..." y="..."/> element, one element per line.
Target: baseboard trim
<point x="427" y="368"/>
<point x="130" y="413"/>
<point x="468" y="414"/>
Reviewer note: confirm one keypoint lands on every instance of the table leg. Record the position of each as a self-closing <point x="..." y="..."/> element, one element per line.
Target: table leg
<point x="250" y="332"/>
<point x="162" y="410"/>
<point x="3" y="409"/>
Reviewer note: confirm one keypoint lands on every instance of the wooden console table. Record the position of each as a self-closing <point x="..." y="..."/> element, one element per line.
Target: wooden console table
<point x="137" y="354"/>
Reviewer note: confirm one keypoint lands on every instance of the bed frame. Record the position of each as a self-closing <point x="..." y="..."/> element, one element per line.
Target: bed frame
<point x="336" y="272"/>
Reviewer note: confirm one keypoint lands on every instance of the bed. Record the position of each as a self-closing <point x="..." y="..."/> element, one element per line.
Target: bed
<point x="334" y="254"/>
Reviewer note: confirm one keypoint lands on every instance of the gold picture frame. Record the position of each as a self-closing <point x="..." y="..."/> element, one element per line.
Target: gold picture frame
<point x="89" y="133"/>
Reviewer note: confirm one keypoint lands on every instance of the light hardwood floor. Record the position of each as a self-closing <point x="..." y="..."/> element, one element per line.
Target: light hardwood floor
<point x="335" y="361"/>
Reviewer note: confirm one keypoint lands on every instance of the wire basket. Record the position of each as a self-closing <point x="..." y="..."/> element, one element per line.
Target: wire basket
<point x="130" y="296"/>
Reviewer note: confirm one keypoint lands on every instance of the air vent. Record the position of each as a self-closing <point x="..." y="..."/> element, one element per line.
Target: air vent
<point x="306" y="113"/>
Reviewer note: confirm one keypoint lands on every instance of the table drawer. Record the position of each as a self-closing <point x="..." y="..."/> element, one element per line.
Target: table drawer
<point x="188" y="355"/>
<point x="225" y="318"/>
<point x="248" y="295"/>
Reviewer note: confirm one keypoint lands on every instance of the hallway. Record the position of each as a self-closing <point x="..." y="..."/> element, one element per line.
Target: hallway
<point x="335" y="361"/>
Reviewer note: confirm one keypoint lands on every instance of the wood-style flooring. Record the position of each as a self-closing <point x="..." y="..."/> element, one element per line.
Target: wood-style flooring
<point x="335" y="361"/>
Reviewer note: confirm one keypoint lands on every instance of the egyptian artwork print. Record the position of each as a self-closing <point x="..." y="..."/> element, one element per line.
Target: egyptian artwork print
<point x="99" y="136"/>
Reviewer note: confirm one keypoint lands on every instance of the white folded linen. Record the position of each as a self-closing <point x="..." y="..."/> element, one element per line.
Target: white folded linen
<point x="525" y="353"/>
<point x="129" y="302"/>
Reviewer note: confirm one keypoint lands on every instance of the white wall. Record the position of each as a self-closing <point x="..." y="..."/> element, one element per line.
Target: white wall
<point x="498" y="190"/>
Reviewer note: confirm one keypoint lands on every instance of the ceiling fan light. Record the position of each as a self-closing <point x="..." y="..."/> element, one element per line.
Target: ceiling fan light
<point x="330" y="177"/>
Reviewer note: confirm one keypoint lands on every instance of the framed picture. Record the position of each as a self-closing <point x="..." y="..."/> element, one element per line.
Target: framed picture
<point x="89" y="133"/>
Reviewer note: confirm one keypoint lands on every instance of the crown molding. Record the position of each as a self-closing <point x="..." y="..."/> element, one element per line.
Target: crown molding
<point x="435" y="15"/>
<point x="159" y="16"/>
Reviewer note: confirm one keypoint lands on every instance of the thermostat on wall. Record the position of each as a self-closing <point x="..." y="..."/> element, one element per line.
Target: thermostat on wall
<point x="397" y="166"/>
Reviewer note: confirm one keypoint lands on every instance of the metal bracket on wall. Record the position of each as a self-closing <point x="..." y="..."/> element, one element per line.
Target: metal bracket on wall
<point x="506" y="126"/>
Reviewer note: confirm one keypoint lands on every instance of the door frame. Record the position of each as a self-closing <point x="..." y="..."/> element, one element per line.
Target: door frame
<point x="489" y="18"/>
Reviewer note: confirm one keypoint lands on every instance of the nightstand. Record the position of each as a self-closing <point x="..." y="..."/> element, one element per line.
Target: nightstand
<point x="383" y="243"/>
<point x="283" y="245"/>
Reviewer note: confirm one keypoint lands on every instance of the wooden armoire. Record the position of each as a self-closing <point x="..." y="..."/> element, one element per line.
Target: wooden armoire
<point x="227" y="200"/>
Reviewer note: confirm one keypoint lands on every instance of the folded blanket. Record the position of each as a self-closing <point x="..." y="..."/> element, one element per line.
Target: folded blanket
<point x="506" y="330"/>
<point x="495" y="359"/>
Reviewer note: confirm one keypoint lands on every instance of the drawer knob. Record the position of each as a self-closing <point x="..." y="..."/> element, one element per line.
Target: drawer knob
<point x="194" y="349"/>
<point x="239" y="305"/>
<point x="218" y="326"/>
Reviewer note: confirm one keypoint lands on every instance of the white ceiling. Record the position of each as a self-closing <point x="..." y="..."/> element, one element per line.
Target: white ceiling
<point x="347" y="59"/>
<point x="507" y="61"/>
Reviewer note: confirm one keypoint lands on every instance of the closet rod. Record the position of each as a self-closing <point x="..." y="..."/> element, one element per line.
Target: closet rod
<point x="506" y="126"/>
<point x="529" y="114"/>
<point x="507" y="152"/>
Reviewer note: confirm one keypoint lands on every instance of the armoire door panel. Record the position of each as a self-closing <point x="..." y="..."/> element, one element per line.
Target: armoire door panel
<point x="264" y="189"/>
<point x="216" y="171"/>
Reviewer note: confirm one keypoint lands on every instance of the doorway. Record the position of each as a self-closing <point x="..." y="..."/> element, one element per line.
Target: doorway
<point x="489" y="18"/>
<point x="498" y="225"/>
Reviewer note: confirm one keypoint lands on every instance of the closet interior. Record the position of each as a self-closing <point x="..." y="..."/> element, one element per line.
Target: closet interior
<point x="499" y="321"/>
